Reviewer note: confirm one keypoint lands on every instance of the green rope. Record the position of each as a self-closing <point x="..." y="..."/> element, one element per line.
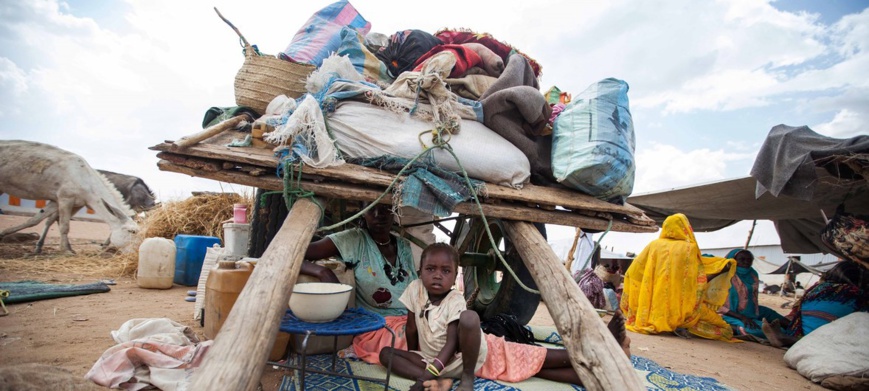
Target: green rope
<point x="486" y="224"/>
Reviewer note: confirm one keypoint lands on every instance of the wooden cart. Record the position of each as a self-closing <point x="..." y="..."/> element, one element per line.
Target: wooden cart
<point x="241" y="349"/>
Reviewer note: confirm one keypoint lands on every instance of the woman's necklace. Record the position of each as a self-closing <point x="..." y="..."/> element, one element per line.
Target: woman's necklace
<point x="381" y="244"/>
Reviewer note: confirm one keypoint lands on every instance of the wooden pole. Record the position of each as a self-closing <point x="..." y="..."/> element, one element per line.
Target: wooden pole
<point x="238" y="357"/>
<point x="568" y="263"/>
<point x="594" y="353"/>
<point x="750" y="234"/>
<point x="195" y="138"/>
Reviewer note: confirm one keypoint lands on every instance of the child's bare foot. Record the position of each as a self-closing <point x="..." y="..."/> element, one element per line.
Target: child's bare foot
<point x="467" y="383"/>
<point x="617" y="327"/>
<point x="438" y="384"/>
<point x="771" y="334"/>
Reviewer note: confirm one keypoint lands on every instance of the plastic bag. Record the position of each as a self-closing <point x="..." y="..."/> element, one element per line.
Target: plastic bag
<point x="593" y="142"/>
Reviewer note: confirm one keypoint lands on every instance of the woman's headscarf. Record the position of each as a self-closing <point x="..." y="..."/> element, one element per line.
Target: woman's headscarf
<point x="677" y="227"/>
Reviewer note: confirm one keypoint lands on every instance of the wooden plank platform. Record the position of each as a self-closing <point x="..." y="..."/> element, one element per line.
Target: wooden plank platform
<point x="256" y="167"/>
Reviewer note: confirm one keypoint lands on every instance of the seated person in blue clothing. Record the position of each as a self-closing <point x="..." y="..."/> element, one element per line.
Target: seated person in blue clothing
<point x="741" y="310"/>
<point x="841" y="291"/>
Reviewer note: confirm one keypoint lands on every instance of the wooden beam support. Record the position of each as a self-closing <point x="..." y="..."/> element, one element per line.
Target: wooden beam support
<point x="238" y="357"/>
<point x="594" y="353"/>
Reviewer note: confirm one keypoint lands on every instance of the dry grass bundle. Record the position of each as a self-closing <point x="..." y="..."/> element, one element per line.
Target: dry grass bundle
<point x="203" y="214"/>
<point x="89" y="262"/>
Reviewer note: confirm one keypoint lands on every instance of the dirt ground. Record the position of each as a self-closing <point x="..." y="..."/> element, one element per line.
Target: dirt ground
<point x="73" y="332"/>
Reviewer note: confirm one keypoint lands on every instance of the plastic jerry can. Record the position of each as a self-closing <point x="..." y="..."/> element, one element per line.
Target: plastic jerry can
<point x="236" y="238"/>
<point x="156" y="263"/>
<point x="189" y="255"/>
<point x="222" y="288"/>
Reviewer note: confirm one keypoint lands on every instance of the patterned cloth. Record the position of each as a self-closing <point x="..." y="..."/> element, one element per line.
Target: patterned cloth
<point x="666" y="286"/>
<point x="823" y="303"/>
<point x="655" y="376"/>
<point x="592" y="286"/>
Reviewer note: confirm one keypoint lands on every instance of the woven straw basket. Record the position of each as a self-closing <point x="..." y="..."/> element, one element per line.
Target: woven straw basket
<point x="261" y="78"/>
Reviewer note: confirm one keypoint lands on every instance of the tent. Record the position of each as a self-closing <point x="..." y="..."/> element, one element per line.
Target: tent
<point x="798" y="180"/>
<point x="793" y="266"/>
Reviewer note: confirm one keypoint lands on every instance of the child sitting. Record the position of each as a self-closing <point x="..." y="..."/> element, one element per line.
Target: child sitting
<point x="445" y="341"/>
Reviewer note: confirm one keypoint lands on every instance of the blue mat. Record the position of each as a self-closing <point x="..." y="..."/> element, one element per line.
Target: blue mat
<point x="655" y="376"/>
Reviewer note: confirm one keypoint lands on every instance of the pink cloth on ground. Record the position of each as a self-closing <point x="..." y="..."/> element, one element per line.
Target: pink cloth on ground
<point x="368" y="346"/>
<point x="510" y="361"/>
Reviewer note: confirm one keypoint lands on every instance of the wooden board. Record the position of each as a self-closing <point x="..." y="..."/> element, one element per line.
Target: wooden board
<point x="256" y="167"/>
<point x="350" y="191"/>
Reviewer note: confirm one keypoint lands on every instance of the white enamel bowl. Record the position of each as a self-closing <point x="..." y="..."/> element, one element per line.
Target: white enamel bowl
<point x="319" y="302"/>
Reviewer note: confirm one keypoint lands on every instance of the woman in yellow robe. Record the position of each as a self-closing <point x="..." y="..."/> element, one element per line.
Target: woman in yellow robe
<point x="669" y="286"/>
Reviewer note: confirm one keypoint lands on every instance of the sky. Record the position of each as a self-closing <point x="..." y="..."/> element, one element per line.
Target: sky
<point x="708" y="80"/>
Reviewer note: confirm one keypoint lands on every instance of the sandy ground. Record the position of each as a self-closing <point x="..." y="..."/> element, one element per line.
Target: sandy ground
<point x="73" y="332"/>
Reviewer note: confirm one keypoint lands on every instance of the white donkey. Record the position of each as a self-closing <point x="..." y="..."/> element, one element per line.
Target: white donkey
<point x="39" y="171"/>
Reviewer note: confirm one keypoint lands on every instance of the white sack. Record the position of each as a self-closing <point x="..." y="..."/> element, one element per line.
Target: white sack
<point x="363" y="130"/>
<point x="839" y="348"/>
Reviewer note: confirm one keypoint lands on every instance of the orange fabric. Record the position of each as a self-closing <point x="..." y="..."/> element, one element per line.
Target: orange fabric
<point x="510" y="361"/>
<point x="368" y="346"/>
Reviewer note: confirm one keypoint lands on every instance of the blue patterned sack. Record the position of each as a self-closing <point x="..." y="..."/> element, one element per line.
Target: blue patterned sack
<point x="593" y="142"/>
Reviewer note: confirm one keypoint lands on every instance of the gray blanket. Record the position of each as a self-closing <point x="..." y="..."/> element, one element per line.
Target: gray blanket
<point x="787" y="160"/>
<point x="514" y="108"/>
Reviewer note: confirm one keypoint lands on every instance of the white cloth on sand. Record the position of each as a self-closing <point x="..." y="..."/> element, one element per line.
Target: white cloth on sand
<point x="150" y="352"/>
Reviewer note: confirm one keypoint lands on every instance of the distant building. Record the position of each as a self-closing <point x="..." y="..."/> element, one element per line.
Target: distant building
<point x="12" y="205"/>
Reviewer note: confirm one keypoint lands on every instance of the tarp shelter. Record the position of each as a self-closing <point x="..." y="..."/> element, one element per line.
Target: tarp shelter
<point x="794" y="266"/>
<point x="824" y="184"/>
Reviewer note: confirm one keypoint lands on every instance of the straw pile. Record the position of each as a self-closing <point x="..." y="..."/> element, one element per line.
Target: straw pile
<point x="88" y="262"/>
<point x="203" y="214"/>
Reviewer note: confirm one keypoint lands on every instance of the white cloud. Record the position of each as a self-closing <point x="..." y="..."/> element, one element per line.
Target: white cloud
<point x="845" y="124"/>
<point x="108" y="94"/>
<point x="13" y="84"/>
<point x="661" y="166"/>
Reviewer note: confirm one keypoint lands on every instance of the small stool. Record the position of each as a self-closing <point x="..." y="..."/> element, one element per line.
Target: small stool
<point x="353" y="321"/>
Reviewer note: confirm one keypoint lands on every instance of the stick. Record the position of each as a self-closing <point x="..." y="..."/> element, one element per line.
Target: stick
<point x="195" y="138"/>
<point x="238" y="357"/>
<point x="594" y="353"/>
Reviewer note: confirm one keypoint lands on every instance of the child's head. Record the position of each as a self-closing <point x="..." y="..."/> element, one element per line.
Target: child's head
<point x="439" y="266"/>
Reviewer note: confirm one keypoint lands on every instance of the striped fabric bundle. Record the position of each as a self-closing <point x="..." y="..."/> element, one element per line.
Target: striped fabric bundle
<point x="320" y="35"/>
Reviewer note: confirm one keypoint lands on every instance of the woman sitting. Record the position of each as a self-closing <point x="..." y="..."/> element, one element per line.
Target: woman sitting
<point x="600" y="282"/>
<point x="741" y="310"/>
<point x="383" y="266"/>
<point x="669" y="287"/>
<point x="841" y="291"/>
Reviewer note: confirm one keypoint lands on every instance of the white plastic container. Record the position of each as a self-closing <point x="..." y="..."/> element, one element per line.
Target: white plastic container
<point x="236" y="238"/>
<point x="156" y="263"/>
